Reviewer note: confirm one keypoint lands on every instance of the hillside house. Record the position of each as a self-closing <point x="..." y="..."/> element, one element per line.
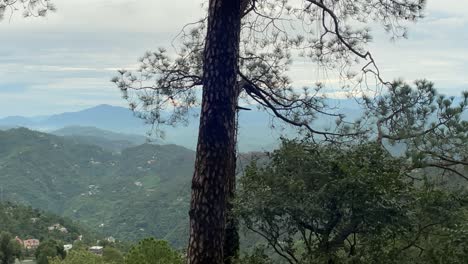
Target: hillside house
<point x="31" y="243"/>
<point x="96" y="250"/>
<point x="67" y="247"/>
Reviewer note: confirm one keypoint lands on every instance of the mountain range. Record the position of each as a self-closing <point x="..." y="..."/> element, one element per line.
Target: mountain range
<point x="119" y="184"/>
<point x="255" y="127"/>
<point x="108" y="140"/>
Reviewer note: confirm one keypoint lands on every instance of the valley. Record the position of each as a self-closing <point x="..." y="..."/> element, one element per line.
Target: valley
<point x="142" y="191"/>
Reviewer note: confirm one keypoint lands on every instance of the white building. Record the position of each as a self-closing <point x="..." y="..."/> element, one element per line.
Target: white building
<point x="67" y="247"/>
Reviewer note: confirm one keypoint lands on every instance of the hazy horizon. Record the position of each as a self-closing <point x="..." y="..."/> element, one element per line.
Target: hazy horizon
<point x="64" y="62"/>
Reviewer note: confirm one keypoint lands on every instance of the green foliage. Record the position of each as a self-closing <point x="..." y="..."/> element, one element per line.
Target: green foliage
<point x="49" y="249"/>
<point x="428" y="126"/>
<point x="80" y="257"/>
<point x="315" y="204"/>
<point x="9" y="249"/>
<point x="258" y="256"/>
<point x="26" y="222"/>
<point x="112" y="255"/>
<point x="107" y="140"/>
<point x="147" y="251"/>
<point x="87" y="183"/>
<point x="152" y="251"/>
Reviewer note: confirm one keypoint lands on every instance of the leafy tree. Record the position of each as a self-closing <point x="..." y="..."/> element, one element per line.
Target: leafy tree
<point x="49" y="249"/>
<point x="335" y="204"/>
<point x="80" y="257"/>
<point x="10" y="249"/>
<point x="112" y="255"/>
<point x="242" y="50"/>
<point x="258" y="256"/>
<point x="30" y="8"/>
<point x="152" y="251"/>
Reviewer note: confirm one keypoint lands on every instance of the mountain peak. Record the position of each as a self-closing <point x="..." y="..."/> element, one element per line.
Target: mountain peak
<point x="106" y="106"/>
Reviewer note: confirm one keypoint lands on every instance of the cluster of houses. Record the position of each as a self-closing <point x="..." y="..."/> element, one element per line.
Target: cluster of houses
<point x="32" y="244"/>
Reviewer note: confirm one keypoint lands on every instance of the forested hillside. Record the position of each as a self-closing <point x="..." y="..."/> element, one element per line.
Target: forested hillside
<point x="105" y="139"/>
<point x="141" y="192"/>
<point x="26" y="222"/>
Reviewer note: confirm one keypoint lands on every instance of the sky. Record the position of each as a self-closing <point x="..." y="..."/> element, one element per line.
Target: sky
<point x="64" y="62"/>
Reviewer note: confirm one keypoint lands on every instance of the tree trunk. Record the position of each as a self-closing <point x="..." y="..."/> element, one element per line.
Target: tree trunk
<point x="217" y="134"/>
<point x="231" y="239"/>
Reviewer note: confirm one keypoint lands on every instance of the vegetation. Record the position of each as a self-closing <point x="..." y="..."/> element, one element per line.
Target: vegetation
<point x="26" y="222"/>
<point x="326" y="204"/>
<point x="79" y="257"/>
<point x="112" y="255"/>
<point x="49" y="249"/>
<point x="147" y="251"/>
<point x="107" y="140"/>
<point x="242" y="49"/>
<point x="340" y="196"/>
<point x="152" y="251"/>
<point x="10" y="249"/>
<point x="107" y="192"/>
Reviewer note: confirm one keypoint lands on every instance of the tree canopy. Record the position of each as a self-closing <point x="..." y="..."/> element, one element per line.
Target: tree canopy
<point x="79" y="257"/>
<point x="152" y="251"/>
<point x="324" y="204"/>
<point x="49" y="249"/>
<point x="10" y="249"/>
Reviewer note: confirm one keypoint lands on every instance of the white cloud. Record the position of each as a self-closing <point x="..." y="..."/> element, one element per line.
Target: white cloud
<point x="448" y="22"/>
<point x="69" y="57"/>
<point x="113" y="15"/>
<point x="448" y="6"/>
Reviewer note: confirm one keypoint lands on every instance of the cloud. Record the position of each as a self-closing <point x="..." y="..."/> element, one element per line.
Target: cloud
<point x="455" y="22"/>
<point x="447" y="6"/>
<point x="112" y="15"/>
<point x="68" y="58"/>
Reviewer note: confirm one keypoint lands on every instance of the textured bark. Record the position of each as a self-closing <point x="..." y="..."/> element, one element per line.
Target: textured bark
<point x="231" y="239"/>
<point x="217" y="134"/>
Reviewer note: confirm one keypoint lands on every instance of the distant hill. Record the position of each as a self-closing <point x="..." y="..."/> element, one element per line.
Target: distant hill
<point x="108" y="140"/>
<point x="16" y="121"/>
<point x="144" y="191"/>
<point x="26" y="222"/>
<point x="255" y="127"/>
<point x="102" y="116"/>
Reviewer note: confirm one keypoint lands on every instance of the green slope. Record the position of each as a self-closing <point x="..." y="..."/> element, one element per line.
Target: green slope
<point x="105" y="139"/>
<point x="26" y="222"/>
<point x="144" y="191"/>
